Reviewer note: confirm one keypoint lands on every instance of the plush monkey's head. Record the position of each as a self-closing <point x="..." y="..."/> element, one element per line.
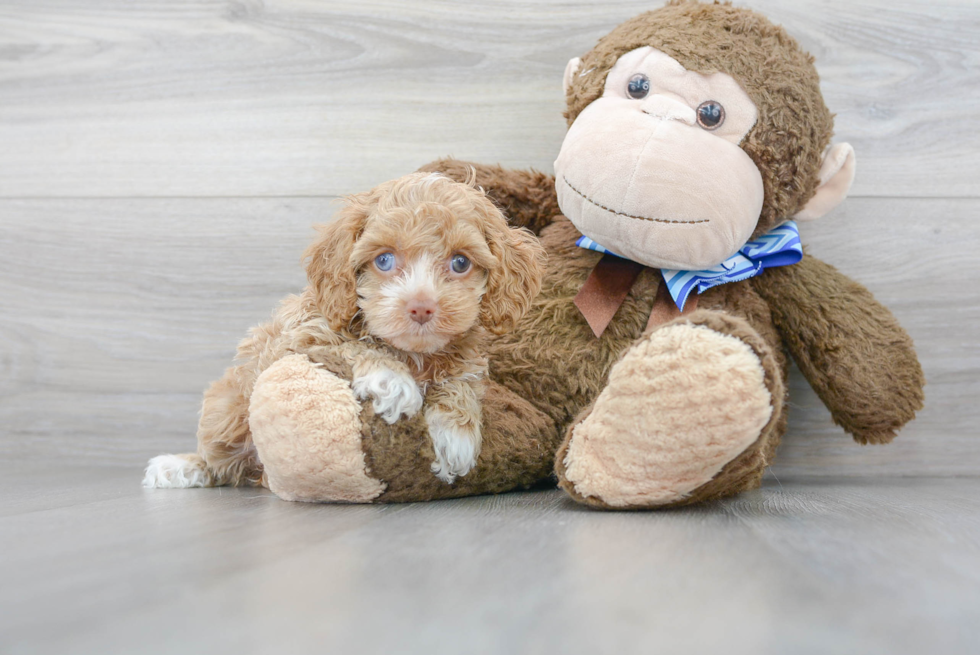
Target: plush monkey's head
<point x="693" y="128"/>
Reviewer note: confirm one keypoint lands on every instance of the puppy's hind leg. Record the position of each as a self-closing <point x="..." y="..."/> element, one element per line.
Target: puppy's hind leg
<point x="224" y="440"/>
<point x="225" y="453"/>
<point x="176" y="472"/>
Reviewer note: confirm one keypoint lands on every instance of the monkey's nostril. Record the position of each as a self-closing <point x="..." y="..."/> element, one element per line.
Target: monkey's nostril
<point x="669" y="109"/>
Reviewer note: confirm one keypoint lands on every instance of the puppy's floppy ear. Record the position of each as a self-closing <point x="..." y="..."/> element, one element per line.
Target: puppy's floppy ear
<point x="329" y="268"/>
<point x="516" y="279"/>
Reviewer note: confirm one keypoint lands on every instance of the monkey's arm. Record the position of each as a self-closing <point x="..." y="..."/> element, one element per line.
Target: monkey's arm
<point x="851" y="349"/>
<point x="527" y="198"/>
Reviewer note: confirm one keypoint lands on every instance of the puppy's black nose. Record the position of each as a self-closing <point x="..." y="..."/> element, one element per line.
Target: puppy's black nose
<point x="421" y="311"/>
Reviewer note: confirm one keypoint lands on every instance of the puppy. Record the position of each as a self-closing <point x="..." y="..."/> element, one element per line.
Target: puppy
<point x="404" y="286"/>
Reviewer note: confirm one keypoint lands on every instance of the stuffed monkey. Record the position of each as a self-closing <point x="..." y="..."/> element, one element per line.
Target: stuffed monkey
<point x="651" y="370"/>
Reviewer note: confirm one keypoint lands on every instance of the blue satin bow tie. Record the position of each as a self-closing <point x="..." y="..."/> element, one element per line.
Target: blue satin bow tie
<point x="779" y="246"/>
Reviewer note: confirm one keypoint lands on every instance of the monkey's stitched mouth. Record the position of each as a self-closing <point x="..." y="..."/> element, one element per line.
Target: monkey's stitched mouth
<point x="619" y="213"/>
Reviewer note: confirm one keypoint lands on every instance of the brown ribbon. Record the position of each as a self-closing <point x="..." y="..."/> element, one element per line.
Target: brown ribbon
<point x="605" y="290"/>
<point x="607" y="287"/>
<point x="665" y="309"/>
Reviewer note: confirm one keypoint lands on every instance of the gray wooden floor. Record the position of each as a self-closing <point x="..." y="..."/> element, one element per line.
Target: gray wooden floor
<point x="161" y="165"/>
<point x="92" y="563"/>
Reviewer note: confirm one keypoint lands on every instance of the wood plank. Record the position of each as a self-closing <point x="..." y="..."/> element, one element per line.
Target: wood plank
<point x="300" y="98"/>
<point x="118" y="313"/>
<point x="861" y="565"/>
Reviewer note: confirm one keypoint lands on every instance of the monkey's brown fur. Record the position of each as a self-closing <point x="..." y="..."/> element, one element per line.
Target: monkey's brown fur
<point x="794" y="125"/>
<point x="851" y="349"/>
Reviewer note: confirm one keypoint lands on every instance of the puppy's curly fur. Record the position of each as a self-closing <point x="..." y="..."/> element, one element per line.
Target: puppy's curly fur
<point x="404" y="285"/>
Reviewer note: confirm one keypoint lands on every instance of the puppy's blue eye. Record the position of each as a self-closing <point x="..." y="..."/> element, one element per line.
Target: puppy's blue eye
<point x="639" y="86"/>
<point x="385" y="261"/>
<point x="460" y="264"/>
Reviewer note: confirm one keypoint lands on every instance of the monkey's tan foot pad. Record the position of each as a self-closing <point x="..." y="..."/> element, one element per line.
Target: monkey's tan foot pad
<point x="679" y="406"/>
<point x="306" y="426"/>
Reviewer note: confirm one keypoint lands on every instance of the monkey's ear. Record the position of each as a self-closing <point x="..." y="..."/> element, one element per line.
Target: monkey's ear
<point x="570" y="69"/>
<point x="836" y="177"/>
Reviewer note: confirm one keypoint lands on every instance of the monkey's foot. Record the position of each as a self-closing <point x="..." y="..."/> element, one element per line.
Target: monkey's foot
<point x="685" y="416"/>
<point x="306" y="426"/>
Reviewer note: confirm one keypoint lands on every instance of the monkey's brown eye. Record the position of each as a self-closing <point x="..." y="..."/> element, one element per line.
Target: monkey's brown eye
<point x="711" y="115"/>
<point x="639" y="86"/>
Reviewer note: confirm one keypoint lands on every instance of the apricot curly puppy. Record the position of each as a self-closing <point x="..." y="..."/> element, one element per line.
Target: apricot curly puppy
<point x="403" y="286"/>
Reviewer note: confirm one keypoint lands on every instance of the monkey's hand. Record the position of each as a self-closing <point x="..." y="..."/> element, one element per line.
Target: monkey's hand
<point x="851" y="349"/>
<point x="527" y="198"/>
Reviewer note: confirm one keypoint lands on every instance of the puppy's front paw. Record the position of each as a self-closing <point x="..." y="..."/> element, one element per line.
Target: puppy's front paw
<point x="456" y="446"/>
<point x="394" y="393"/>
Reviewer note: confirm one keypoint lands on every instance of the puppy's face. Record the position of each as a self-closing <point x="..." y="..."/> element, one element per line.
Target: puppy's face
<point x="423" y="259"/>
<point x="422" y="275"/>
